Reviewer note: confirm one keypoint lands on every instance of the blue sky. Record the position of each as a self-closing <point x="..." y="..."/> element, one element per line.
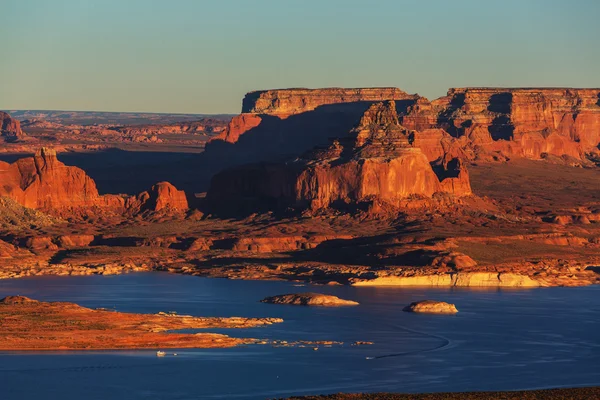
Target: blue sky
<point x="195" y="56"/>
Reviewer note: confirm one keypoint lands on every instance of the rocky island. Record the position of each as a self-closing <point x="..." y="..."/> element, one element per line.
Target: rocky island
<point x="309" y="299"/>
<point x="431" y="307"/>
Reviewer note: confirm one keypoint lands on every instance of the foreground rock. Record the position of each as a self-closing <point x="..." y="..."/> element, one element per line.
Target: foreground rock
<point x="27" y="324"/>
<point x="431" y="307"/>
<point x="309" y="299"/>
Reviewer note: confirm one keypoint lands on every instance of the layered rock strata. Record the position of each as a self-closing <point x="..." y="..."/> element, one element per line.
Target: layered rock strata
<point x="527" y="122"/>
<point x="376" y="161"/>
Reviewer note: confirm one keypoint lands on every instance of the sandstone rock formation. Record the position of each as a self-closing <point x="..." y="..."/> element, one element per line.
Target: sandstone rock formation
<point x="44" y="183"/>
<point x="375" y="162"/>
<point x="161" y="196"/>
<point x="10" y="128"/>
<point x="309" y="299"/>
<point x="295" y="101"/>
<point x="276" y="124"/>
<point x="525" y="122"/>
<point x="431" y="307"/>
<point x="460" y="279"/>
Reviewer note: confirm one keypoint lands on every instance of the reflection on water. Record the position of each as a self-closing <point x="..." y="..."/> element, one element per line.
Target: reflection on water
<point x="500" y="340"/>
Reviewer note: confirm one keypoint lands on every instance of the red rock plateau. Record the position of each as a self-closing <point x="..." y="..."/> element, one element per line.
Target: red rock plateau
<point x="482" y="188"/>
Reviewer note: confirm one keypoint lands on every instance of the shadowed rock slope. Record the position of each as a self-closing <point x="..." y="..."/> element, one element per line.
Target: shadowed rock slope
<point x="375" y="162"/>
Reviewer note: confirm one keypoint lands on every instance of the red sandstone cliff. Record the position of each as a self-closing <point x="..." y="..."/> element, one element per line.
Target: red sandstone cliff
<point x="295" y="101"/>
<point x="527" y="122"/>
<point x="43" y="182"/>
<point x="375" y="162"/>
<point x="10" y="128"/>
<point x="284" y="103"/>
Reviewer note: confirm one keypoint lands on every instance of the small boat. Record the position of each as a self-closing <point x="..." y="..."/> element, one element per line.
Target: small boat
<point x="160" y="354"/>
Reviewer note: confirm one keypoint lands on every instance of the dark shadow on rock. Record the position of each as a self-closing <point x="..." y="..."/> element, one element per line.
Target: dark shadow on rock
<point x="278" y="139"/>
<point x="445" y="119"/>
<point x="500" y="103"/>
<point x="450" y="170"/>
<point x="501" y="128"/>
<point x="402" y="106"/>
<point x="593" y="268"/>
<point x="131" y="172"/>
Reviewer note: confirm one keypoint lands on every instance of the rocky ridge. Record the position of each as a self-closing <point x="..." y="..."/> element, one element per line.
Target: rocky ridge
<point x="44" y="183"/>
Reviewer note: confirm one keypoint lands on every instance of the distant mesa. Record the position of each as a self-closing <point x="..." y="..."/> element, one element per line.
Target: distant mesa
<point x="309" y="299"/>
<point x="10" y="128"/>
<point x="295" y="101"/>
<point x="431" y="307"/>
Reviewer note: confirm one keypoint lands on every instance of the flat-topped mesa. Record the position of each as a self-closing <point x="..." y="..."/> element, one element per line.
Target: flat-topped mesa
<point x="528" y="122"/>
<point x="295" y="101"/>
<point x="43" y="182"/>
<point x="376" y="162"/>
<point x="10" y="128"/>
<point x="322" y="112"/>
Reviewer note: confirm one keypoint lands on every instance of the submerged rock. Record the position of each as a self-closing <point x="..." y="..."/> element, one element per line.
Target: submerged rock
<point x="309" y="299"/>
<point x="432" y="307"/>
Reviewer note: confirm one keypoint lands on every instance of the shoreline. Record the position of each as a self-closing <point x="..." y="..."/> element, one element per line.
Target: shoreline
<point x="560" y="393"/>
<point x="482" y="279"/>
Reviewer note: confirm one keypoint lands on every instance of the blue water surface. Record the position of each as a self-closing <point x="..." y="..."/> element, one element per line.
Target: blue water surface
<point x="500" y="340"/>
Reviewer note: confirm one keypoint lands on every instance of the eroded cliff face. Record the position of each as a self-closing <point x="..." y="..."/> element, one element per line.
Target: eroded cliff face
<point x="376" y="161"/>
<point x="10" y="128"/>
<point x="43" y="182"/>
<point x="527" y="122"/>
<point x="283" y="103"/>
<point x="295" y="101"/>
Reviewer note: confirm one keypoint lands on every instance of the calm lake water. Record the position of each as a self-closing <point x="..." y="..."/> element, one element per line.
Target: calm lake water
<point x="500" y="340"/>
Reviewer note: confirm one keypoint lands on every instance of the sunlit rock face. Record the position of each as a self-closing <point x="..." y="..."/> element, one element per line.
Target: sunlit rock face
<point x="374" y="161"/>
<point x="295" y="101"/>
<point x="43" y="182"/>
<point x="528" y="122"/>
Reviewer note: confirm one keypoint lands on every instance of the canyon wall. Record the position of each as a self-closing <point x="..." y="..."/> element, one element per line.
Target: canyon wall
<point x="295" y="101"/>
<point x="524" y="122"/>
<point x="283" y="103"/>
<point x="375" y="161"/>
